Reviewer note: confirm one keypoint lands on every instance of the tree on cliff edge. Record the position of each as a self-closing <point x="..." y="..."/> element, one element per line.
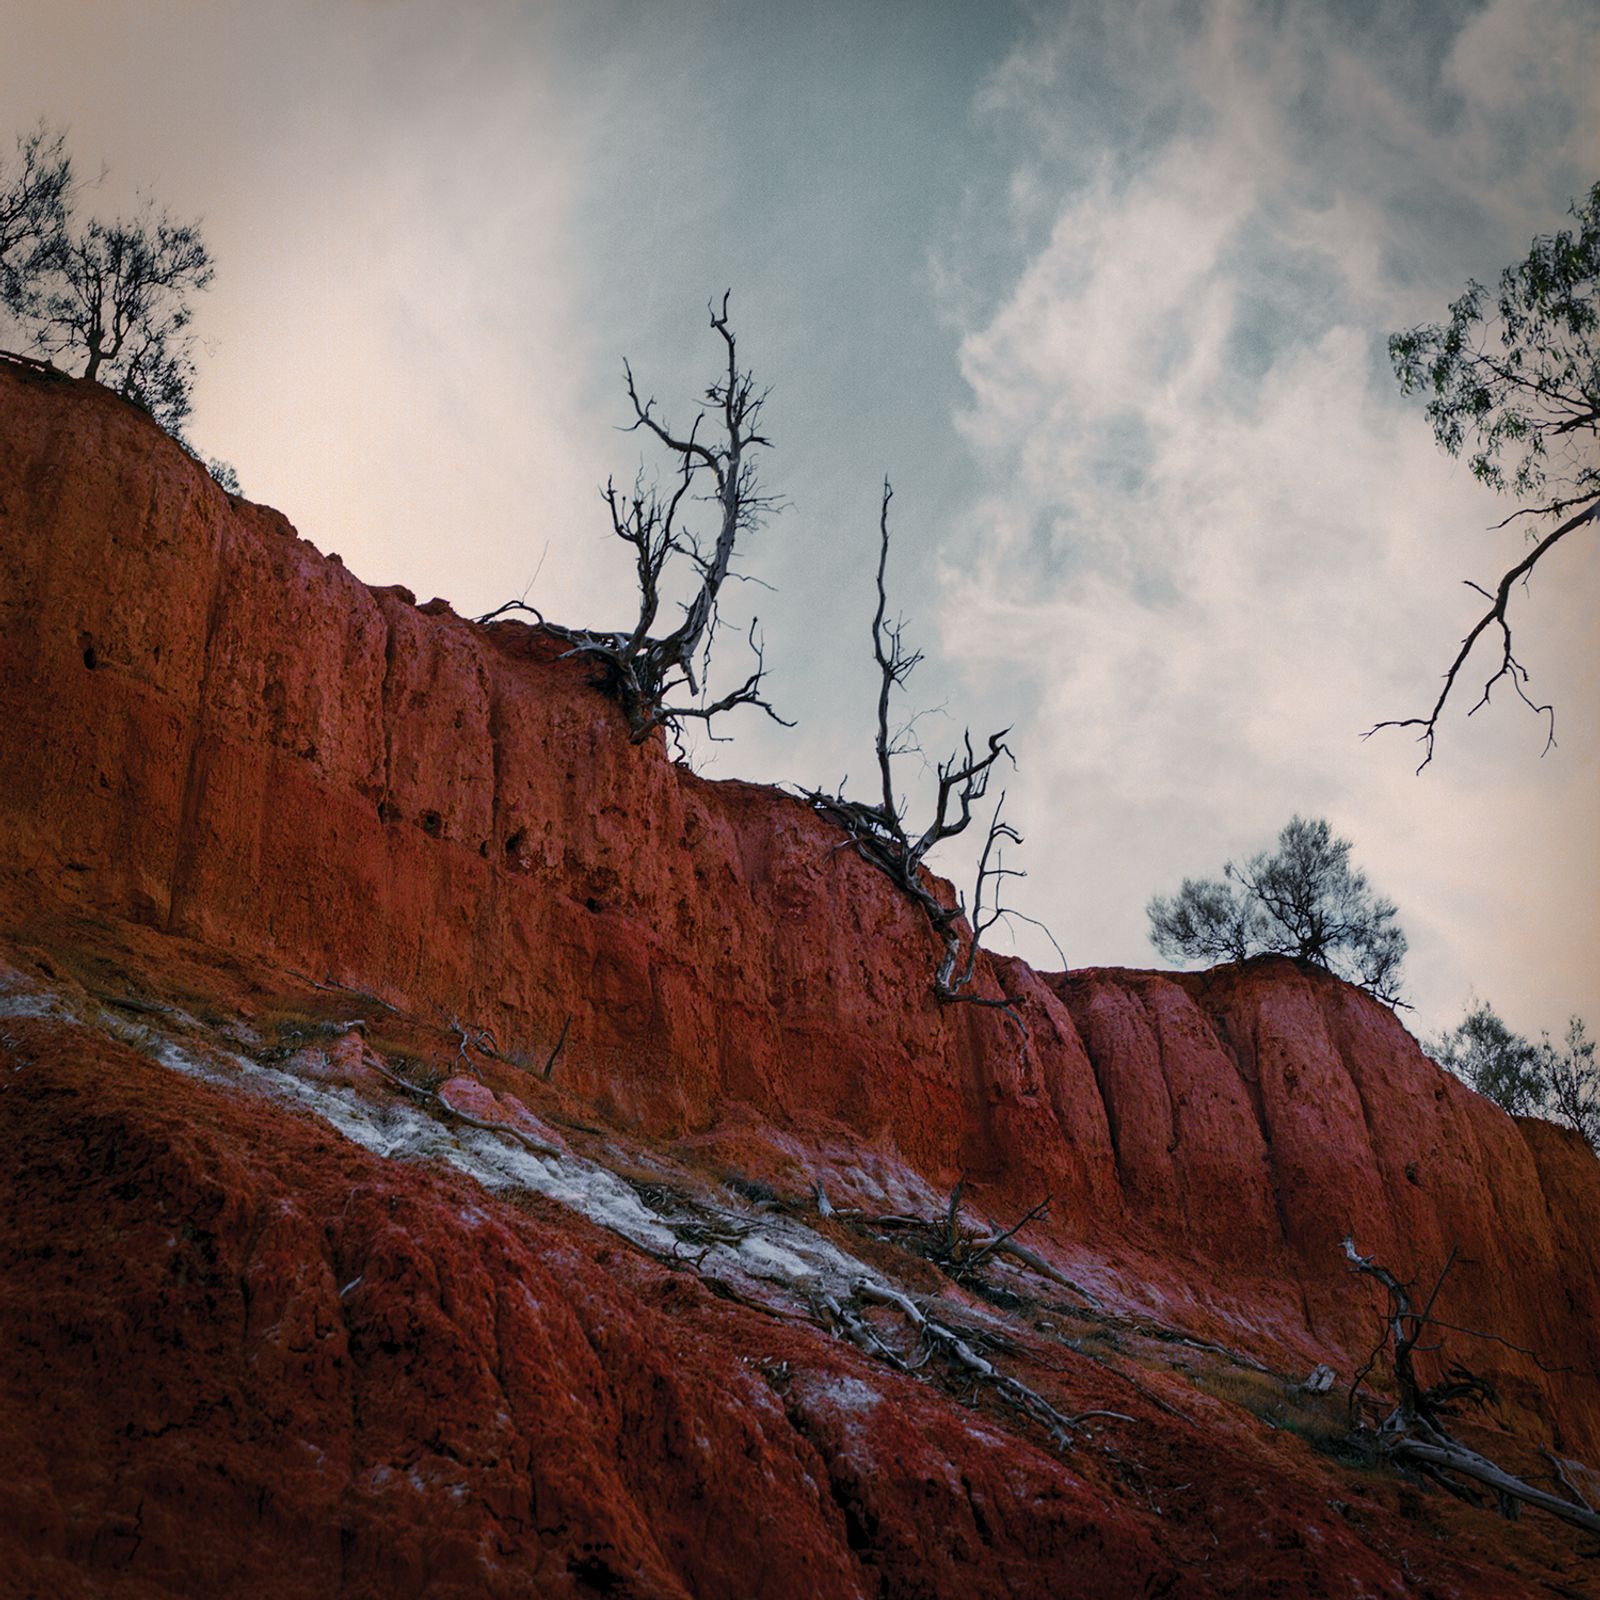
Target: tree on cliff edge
<point x="642" y="668"/>
<point x="118" y="298"/>
<point x="1515" y="382"/>
<point x="1304" y="901"/>
<point x="878" y="828"/>
<point x="113" y="295"/>
<point x="1558" y="1081"/>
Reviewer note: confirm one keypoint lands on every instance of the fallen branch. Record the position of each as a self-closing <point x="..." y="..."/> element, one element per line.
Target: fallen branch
<point x="1038" y="1264"/>
<point x="1449" y="1456"/>
<point x="955" y="1349"/>
<point x="441" y="1100"/>
<point x="987" y="1247"/>
<point x="1414" y="1432"/>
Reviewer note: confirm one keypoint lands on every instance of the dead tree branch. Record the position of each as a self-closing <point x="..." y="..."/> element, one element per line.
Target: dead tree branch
<point x="949" y="1343"/>
<point x="1509" y="667"/>
<point x="1414" y="1431"/>
<point x="960" y="1254"/>
<point x="641" y="668"/>
<point x="878" y="828"/>
<point x="550" y="1060"/>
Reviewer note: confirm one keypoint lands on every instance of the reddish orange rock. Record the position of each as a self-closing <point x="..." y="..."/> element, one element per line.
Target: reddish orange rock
<point x="225" y="745"/>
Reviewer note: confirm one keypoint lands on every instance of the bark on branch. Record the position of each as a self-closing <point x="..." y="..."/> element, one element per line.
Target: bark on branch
<point x="878" y="829"/>
<point x="1415" y="1431"/>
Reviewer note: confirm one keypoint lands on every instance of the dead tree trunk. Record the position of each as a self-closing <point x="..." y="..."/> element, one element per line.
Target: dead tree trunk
<point x="878" y="829"/>
<point x="1414" y="1431"/>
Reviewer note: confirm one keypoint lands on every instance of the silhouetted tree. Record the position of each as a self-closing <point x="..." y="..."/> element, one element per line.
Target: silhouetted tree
<point x="642" y="668"/>
<point x="878" y="827"/>
<point x="1304" y="900"/>
<point x="114" y="296"/>
<point x="118" y="298"/>
<point x="34" y="195"/>
<point x="1514" y="381"/>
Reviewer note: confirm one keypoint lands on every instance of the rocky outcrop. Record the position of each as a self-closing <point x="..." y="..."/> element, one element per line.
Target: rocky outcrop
<point x="221" y="736"/>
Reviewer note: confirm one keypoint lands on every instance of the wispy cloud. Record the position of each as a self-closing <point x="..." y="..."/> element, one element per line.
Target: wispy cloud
<point x="1215" y="544"/>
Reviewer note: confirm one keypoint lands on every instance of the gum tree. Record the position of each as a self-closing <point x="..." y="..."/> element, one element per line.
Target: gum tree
<point x="1512" y="380"/>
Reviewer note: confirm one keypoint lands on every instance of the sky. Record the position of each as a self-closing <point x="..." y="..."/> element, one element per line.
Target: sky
<point x="1103" y="287"/>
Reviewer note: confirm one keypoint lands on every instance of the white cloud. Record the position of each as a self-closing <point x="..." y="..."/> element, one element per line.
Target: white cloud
<point x="1216" y="545"/>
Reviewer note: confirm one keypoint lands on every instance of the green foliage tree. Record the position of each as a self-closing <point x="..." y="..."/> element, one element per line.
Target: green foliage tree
<point x="1513" y="380"/>
<point x="1570" y="1081"/>
<point x="1303" y="900"/>
<point x="1483" y="1052"/>
<point x="1557" y="1081"/>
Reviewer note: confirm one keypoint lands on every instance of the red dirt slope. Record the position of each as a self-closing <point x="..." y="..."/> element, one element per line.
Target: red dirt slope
<point x="220" y="742"/>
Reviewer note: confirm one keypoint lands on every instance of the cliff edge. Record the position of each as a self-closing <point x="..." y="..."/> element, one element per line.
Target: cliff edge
<point x="238" y="780"/>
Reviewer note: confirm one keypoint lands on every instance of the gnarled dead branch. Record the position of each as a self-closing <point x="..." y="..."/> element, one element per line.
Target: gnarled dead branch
<point x="955" y="1347"/>
<point x="878" y="828"/>
<point x="1509" y="667"/>
<point x="1414" y="1431"/>
<point x="641" y="668"/>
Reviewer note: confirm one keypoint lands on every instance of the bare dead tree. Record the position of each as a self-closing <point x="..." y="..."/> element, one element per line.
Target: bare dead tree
<point x="1414" y="1432"/>
<point x="642" y="669"/>
<point x="878" y="828"/>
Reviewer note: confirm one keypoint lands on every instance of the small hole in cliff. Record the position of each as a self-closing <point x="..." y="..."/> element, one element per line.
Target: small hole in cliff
<point x="515" y="843"/>
<point x="432" y="824"/>
<point x="593" y="904"/>
<point x="483" y="849"/>
<point x="90" y="659"/>
<point x="387" y="812"/>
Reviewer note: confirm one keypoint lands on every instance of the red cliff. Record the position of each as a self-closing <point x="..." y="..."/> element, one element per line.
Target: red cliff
<point x="237" y="780"/>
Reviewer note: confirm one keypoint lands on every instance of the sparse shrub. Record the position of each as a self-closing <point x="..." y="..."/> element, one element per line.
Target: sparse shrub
<point x="1304" y="900"/>
<point x="1559" y="1082"/>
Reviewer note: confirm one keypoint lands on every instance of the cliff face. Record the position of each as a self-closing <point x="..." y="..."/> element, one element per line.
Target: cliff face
<point x="222" y="741"/>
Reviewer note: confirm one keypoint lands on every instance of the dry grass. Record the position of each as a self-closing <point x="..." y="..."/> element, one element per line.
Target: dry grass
<point x="1320" y="1419"/>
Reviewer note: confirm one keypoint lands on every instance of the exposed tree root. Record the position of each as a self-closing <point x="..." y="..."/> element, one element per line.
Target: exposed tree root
<point x="1413" y="1431"/>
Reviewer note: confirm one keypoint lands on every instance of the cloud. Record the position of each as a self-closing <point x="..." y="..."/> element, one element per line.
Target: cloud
<point x="1215" y="544"/>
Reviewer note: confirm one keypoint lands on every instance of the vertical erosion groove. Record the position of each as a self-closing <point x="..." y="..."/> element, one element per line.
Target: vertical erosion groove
<point x="198" y="754"/>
